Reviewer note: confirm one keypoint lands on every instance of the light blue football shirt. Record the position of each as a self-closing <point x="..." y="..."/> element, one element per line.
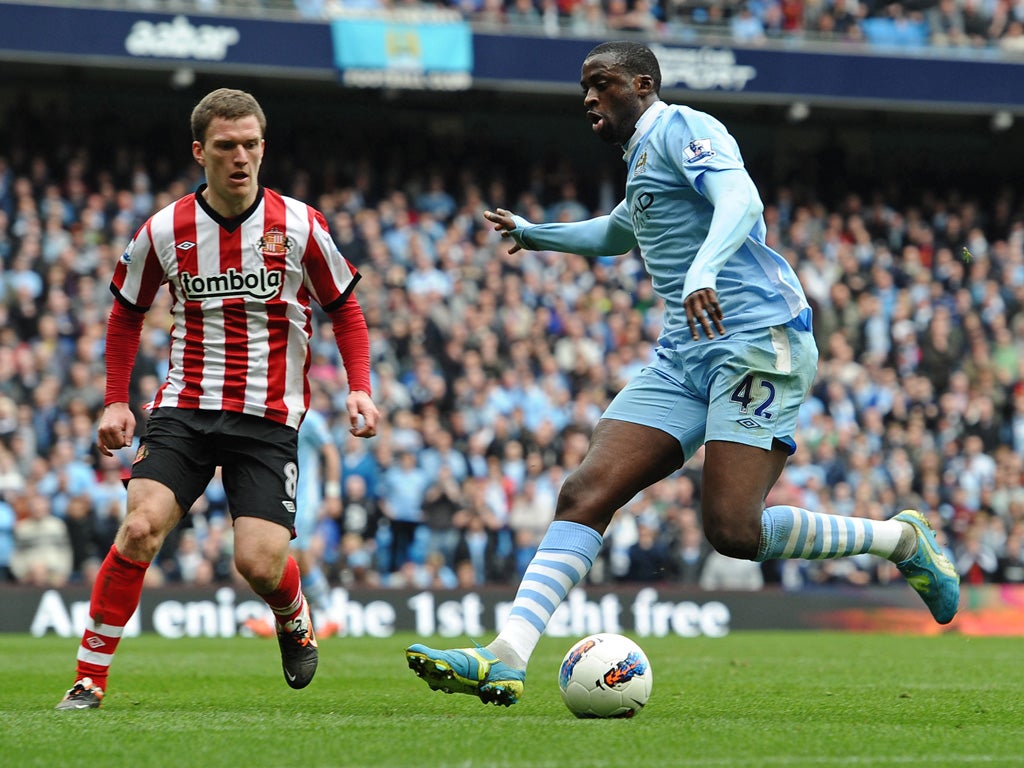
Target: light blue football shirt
<point x="668" y="216"/>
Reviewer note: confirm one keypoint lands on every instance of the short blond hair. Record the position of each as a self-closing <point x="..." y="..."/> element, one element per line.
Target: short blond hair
<point x="229" y="104"/>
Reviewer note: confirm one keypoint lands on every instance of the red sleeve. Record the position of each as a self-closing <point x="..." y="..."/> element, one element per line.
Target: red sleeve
<point x="353" y="342"/>
<point x="124" y="328"/>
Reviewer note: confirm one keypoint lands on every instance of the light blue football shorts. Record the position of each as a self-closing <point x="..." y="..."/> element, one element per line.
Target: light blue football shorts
<point x="307" y="511"/>
<point x="746" y="388"/>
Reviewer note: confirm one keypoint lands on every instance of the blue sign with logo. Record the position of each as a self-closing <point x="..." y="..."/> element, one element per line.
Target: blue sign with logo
<point x="437" y="49"/>
<point x="940" y="78"/>
<point x="404" y="50"/>
<point x="79" y="35"/>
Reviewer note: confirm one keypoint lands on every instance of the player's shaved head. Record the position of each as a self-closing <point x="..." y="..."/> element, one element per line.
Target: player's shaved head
<point x="632" y="58"/>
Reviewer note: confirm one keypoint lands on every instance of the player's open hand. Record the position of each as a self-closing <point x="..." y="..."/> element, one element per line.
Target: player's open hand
<point x="362" y="414"/>
<point x="503" y="223"/>
<point x="116" y="429"/>
<point x="703" y="311"/>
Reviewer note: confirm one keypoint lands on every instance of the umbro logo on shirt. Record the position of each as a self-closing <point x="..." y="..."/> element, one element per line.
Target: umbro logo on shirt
<point x="187" y="245"/>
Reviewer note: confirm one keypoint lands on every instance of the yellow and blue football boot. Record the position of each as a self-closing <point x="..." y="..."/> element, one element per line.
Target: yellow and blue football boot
<point x="474" y="671"/>
<point x="930" y="572"/>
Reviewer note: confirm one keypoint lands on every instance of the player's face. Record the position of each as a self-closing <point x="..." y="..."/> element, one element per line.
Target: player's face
<point x="611" y="98"/>
<point x="231" y="155"/>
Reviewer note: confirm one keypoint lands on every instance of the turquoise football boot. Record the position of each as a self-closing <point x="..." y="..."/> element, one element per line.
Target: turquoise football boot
<point x="930" y="572"/>
<point x="474" y="671"/>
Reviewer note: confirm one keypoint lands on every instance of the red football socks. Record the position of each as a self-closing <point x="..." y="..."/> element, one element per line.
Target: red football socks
<point x="115" y="596"/>
<point x="286" y="601"/>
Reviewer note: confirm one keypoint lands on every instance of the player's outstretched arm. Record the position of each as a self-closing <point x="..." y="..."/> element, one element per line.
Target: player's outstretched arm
<point x="507" y="223"/>
<point x="608" y="235"/>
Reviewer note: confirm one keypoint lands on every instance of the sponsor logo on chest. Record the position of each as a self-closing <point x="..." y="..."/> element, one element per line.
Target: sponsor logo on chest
<point x="263" y="284"/>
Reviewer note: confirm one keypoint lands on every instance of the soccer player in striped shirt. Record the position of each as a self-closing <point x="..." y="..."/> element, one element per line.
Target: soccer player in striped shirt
<point x="733" y="363"/>
<point x="243" y="265"/>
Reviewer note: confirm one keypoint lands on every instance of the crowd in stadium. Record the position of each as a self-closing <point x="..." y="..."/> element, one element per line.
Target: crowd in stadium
<point x="971" y="24"/>
<point x="491" y="370"/>
<point x="947" y="23"/>
<point x="955" y="23"/>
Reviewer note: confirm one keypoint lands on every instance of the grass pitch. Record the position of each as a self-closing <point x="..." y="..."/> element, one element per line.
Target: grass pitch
<point x="749" y="699"/>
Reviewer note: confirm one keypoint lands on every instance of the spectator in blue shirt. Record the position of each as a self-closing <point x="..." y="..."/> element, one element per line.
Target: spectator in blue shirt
<point x="404" y="484"/>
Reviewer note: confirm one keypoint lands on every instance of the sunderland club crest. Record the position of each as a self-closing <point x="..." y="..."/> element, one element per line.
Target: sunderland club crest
<point x="274" y="242"/>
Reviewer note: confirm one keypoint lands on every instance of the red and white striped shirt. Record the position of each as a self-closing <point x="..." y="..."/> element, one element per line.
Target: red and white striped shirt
<point x="241" y="292"/>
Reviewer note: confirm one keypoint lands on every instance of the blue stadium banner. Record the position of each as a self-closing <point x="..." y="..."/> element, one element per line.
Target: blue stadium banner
<point x="941" y="78"/>
<point x="120" y="38"/>
<point x="421" y="49"/>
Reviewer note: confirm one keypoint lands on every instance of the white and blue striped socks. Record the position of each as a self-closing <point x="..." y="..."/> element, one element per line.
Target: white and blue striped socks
<point x="791" y="532"/>
<point x="568" y="551"/>
<point x="563" y="558"/>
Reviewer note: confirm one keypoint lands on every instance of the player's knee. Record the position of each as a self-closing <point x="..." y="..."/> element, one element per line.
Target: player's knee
<point x="581" y="501"/>
<point x="732" y="538"/>
<point x="570" y="494"/>
<point x="139" y="538"/>
<point x="262" y="574"/>
<point x="733" y="544"/>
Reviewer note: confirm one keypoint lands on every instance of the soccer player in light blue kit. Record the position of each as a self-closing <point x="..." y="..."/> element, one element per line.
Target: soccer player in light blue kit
<point x="319" y="490"/>
<point x="734" y="361"/>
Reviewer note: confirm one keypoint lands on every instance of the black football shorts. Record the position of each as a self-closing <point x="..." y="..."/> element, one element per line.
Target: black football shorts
<point x="258" y="458"/>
